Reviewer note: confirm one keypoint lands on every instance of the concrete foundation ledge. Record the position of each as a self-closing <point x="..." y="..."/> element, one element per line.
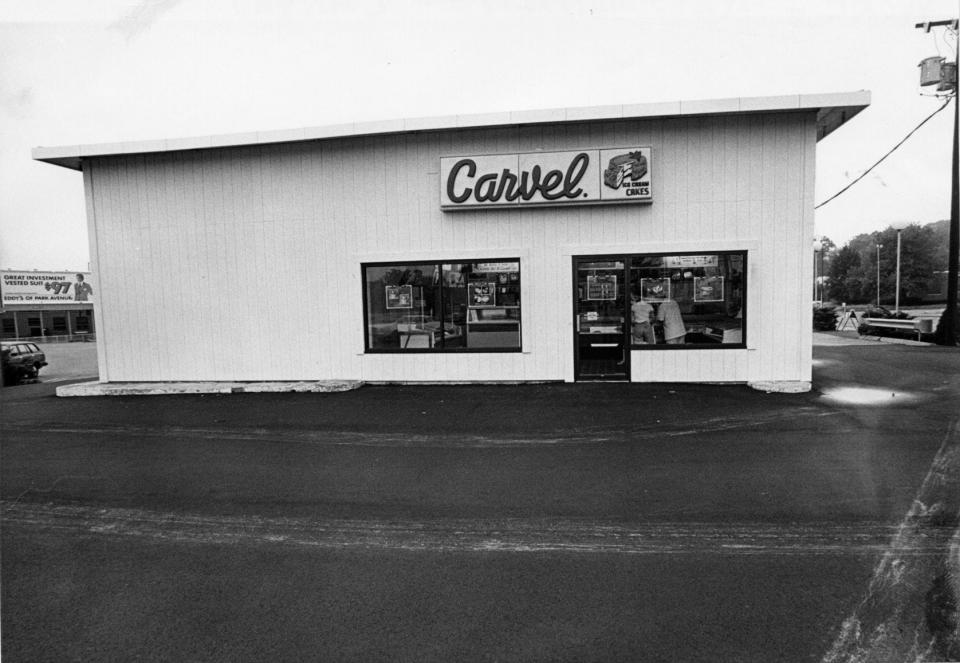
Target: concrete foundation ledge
<point x="782" y="386"/>
<point x="172" y="388"/>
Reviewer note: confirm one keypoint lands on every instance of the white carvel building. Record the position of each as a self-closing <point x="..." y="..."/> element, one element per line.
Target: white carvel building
<point x="667" y="242"/>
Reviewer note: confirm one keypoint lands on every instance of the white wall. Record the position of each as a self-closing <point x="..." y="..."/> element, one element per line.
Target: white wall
<point x="244" y="263"/>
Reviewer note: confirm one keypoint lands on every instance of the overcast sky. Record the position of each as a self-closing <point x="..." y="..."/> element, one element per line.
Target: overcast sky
<point x="76" y="72"/>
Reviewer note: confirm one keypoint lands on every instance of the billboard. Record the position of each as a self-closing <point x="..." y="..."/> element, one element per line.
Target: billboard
<point x="45" y="288"/>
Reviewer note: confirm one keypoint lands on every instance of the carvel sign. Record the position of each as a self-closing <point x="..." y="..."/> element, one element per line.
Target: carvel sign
<point x="546" y="178"/>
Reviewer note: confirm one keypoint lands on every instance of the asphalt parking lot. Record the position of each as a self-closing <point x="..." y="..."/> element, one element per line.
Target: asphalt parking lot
<point x="590" y="522"/>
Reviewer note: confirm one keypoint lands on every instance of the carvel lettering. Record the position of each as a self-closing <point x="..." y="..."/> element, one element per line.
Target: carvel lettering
<point x="505" y="185"/>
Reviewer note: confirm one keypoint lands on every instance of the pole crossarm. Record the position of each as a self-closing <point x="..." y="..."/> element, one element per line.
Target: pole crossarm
<point x="947" y="23"/>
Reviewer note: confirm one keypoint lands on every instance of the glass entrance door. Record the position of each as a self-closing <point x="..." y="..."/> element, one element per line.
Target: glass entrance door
<point x="601" y="322"/>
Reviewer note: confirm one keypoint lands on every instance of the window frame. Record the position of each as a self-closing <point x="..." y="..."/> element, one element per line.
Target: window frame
<point x="436" y="350"/>
<point x="744" y="313"/>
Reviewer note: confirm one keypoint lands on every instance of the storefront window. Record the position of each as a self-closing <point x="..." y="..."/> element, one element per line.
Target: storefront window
<point x="688" y="300"/>
<point x="445" y="306"/>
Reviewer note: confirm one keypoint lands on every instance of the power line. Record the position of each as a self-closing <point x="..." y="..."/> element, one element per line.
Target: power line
<point x="892" y="150"/>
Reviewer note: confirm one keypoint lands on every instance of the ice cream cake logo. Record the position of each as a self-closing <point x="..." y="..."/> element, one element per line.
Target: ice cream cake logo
<point x="631" y="167"/>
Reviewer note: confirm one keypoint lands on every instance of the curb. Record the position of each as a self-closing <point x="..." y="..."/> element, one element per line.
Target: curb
<point x="177" y="388"/>
<point x="897" y="341"/>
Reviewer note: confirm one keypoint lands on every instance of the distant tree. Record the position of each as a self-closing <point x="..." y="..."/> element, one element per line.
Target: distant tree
<point x="829" y="246"/>
<point x="941" y="233"/>
<point x="853" y="269"/>
<point x="919" y="254"/>
<point x="844" y="276"/>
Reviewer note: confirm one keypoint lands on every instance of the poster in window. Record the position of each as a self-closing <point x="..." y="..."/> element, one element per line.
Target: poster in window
<point x="481" y="294"/>
<point x="602" y="288"/>
<point x="708" y="289"/>
<point x="654" y="290"/>
<point x="399" y="296"/>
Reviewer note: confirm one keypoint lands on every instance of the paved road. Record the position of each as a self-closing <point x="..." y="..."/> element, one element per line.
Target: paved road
<point x="476" y="523"/>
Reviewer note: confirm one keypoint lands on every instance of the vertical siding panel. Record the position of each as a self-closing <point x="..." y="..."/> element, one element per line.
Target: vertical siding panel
<point x="147" y="188"/>
<point x="134" y="318"/>
<point x="164" y="266"/>
<point x="105" y="267"/>
<point x="177" y="240"/>
<point x="212" y="231"/>
<point x="115" y="250"/>
<point x="206" y="258"/>
<point x="684" y="181"/>
<point x="312" y="267"/>
<point x="107" y="263"/>
<point x="190" y="269"/>
<point x="235" y="220"/>
<point x="165" y="172"/>
<point x="161" y="172"/>
<point x="225" y="302"/>
<point x="198" y="265"/>
<point x="94" y="203"/>
<point x="345" y="228"/>
<point x="248" y="209"/>
<point x="325" y="214"/>
<point x="306" y="182"/>
<point x="123" y="317"/>
<point x="342" y="179"/>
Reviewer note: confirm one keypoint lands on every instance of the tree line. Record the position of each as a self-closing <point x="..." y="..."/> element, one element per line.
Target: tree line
<point x="849" y="273"/>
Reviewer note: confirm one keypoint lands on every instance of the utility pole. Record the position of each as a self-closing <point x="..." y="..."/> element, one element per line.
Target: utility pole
<point x="949" y="327"/>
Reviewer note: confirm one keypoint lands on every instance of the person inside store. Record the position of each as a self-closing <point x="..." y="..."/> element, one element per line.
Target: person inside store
<point x="641" y="318"/>
<point x="674" y="331"/>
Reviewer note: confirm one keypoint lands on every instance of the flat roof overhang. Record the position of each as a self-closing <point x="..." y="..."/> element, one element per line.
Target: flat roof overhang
<point x="833" y="110"/>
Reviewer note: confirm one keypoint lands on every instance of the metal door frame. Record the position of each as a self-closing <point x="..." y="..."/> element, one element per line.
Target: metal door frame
<point x="575" y="312"/>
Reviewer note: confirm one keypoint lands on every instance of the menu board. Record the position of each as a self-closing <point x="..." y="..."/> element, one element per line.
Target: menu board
<point x="488" y="267"/>
<point x="602" y="287"/>
<point x="690" y="261"/>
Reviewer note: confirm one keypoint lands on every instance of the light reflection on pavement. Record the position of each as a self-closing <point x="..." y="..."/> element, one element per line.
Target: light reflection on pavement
<point x="869" y="396"/>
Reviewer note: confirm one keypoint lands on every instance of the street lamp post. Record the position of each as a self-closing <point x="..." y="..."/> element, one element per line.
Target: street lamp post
<point x="899" y="228"/>
<point x="879" y="246"/>
<point x="897" y="305"/>
<point x="822" y="277"/>
<point x="817" y="251"/>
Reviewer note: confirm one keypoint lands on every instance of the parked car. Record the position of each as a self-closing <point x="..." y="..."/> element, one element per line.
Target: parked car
<point x="21" y="360"/>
